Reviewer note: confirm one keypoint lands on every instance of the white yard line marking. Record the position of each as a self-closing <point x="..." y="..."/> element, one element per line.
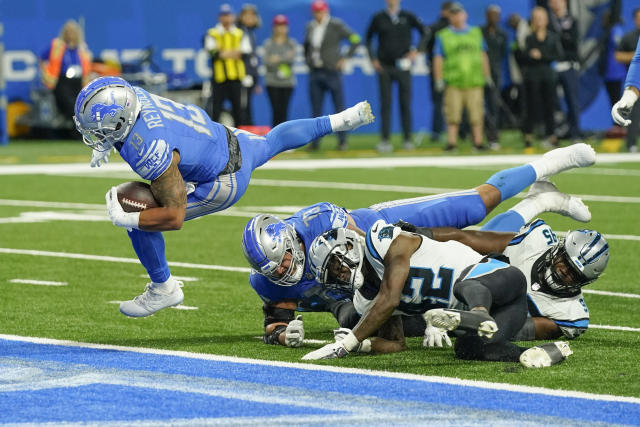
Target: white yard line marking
<point x="120" y="259"/>
<point x="308" y="164"/>
<point x="311" y="367"/>
<point x="615" y="328"/>
<point x="38" y="282"/>
<point x="177" y="307"/>
<point x="181" y="278"/>
<point x="608" y="293"/>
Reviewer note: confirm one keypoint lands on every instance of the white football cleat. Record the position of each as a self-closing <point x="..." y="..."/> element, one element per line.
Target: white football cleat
<point x="352" y="118"/>
<point x="550" y="199"/>
<point x="561" y="159"/>
<point x="475" y="320"/>
<point x="152" y="300"/>
<point x="545" y="355"/>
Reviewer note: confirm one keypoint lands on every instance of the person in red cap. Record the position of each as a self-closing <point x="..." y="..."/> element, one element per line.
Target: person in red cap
<point x="322" y="53"/>
<point x="279" y="54"/>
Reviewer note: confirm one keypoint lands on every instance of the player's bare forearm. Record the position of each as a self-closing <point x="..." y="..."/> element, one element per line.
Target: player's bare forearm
<point x="546" y="328"/>
<point x="624" y="57"/>
<point x="169" y="190"/>
<point x="390" y="337"/>
<point x="396" y="270"/>
<point x="481" y="241"/>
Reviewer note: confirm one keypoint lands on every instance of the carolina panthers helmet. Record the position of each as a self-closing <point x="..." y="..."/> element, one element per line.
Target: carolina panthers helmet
<point x="579" y="259"/>
<point x="266" y="241"/>
<point x="336" y="258"/>
<point x="105" y="112"/>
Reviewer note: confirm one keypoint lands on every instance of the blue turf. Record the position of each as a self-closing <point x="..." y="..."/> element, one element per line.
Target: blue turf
<point x="180" y="372"/>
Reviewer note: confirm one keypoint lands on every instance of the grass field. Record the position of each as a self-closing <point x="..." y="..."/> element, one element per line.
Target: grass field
<point x="64" y="213"/>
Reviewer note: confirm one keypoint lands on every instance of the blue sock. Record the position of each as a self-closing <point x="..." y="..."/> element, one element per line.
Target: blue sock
<point x="507" y="221"/>
<point x="149" y="247"/>
<point x="296" y="133"/>
<point x="512" y="181"/>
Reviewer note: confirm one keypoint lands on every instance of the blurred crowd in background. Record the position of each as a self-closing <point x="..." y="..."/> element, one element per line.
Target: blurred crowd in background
<point x="466" y="65"/>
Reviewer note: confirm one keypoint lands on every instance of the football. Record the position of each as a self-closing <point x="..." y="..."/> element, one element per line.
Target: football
<point x="135" y="196"/>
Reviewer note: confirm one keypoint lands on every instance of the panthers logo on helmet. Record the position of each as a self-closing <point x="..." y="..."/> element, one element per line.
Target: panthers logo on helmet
<point x="100" y="111"/>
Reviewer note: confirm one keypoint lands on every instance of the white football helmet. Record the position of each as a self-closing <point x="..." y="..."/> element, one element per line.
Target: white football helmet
<point x="266" y="241"/>
<point x="336" y="258"/>
<point x="579" y="259"/>
<point x="105" y="112"/>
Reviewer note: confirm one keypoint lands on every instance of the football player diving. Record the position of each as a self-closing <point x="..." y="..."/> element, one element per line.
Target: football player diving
<point x="277" y="249"/>
<point x="395" y="273"/>
<point x="196" y="166"/>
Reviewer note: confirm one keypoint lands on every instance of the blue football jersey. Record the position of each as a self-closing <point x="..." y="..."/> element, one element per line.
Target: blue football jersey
<point x="164" y="125"/>
<point x="309" y="223"/>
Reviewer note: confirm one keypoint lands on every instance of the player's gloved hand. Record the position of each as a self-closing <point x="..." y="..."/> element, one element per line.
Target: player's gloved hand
<point x="118" y="216"/>
<point x="435" y="337"/>
<point x="294" y="334"/>
<point x="340" y="333"/>
<point x="621" y="109"/>
<point x="340" y="348"/>
<point x="99" y="158"/>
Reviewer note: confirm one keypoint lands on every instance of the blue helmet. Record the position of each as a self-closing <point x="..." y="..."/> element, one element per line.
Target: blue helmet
<point x="266" y="241"/>
<point x="576" y="261"/>
<point x="105" y="112"/>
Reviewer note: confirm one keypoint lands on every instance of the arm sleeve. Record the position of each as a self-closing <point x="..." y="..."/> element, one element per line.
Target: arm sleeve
<point x="437" y="47"/>
<point x="353" y="38"/>
<point x="633" y="75"/>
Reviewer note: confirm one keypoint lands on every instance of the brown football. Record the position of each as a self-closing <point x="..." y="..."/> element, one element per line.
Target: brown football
<point x="135" y="196"/>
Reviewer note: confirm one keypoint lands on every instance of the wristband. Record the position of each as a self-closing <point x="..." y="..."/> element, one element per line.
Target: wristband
<point x="350" y="342"/>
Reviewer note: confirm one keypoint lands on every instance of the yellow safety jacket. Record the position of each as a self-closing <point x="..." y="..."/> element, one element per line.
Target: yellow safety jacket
<point x="227" y="69"/>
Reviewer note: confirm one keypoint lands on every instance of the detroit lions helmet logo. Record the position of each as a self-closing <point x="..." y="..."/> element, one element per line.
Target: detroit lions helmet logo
<point x="100" y="111"/>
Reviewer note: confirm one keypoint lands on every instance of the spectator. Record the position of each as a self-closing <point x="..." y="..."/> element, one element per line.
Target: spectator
<point x="279" y="53"/>
<point x="248" y="21"/>
<point x="624" y="54"/>
<point x="613" y="72"/>
<point x="460" y="60"/>
<point x="496" y="40"/>
<point x="520" y="30"/>
<point x="393" y="61"/>
<point x="322" y="53"/>
<point x="568" y="66"/>
<point x="65" y="67"/>
<point x="438" y="123"/>
<point x="227" y="46"/>
<point x="541" y="49"/>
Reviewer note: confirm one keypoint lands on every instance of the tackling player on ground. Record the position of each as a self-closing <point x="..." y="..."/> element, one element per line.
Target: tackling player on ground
<point x="276" y="249"/>
<point x="396" y="273"/>
<point x="196" y="166"/>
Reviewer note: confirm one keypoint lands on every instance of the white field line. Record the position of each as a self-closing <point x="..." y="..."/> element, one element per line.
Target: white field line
<point x="334" y="369"/>
<point x="177" y="307"/>
<point x="367" y="163"/>
<point x="194" y="266"/>
<point x="38" y="282"/>
<point x="612" y="294"/>
<point x="119" y="259"/>
<point x="615" y="328"/>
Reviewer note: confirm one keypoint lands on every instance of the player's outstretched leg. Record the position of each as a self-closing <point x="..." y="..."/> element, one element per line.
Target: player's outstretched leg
<point x="163" y="291"/>
<point x="296" y="133"/>
<point x="545" y="355"/>
<point x="543" y="196"/>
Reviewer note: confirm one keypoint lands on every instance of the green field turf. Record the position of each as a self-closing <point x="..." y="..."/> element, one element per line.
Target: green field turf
<point x="228" y="319"/>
